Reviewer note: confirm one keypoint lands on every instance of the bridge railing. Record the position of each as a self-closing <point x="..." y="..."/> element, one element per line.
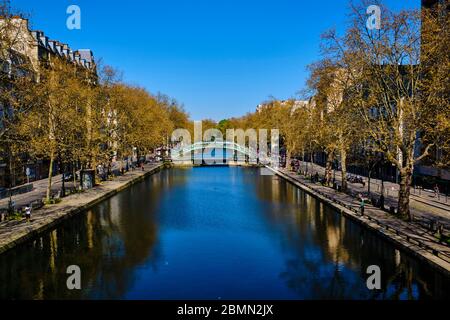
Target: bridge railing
<point x="183" y="152"/>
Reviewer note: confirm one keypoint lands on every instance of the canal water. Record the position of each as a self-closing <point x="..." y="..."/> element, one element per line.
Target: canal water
<point x="213" y="233"/>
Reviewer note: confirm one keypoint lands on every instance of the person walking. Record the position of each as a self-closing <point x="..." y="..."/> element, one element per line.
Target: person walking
<point x="436" y="191"/>
<point x="28" y="213"/>
<point x="362" y="204"/>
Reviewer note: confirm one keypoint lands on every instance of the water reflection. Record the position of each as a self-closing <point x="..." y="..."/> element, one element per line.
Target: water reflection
<point x="209" y="233"/>
<point x="341" y="246"/>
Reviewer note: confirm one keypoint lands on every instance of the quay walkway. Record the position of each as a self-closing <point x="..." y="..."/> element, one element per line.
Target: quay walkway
<point x="14" y="232"/>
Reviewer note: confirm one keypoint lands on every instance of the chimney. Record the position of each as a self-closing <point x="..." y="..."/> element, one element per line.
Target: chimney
<point x="36" y="34"/>
<point x="64" y="49"/>
<point x="52" y="45"/>
<point x="21" y="21"/>
<point x="43" y="39"/>
<point x="58" y="48"/>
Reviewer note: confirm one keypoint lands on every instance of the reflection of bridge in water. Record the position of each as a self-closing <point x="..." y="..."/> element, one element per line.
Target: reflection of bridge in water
<point x="218" y="153"/>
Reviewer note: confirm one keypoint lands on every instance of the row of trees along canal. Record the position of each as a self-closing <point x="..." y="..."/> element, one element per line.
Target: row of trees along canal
<point x="378" y="95"/>
<point x="66" y="114"/>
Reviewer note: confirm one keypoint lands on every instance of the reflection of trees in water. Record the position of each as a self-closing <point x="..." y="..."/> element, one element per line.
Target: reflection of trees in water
<point x="401" y="284"/>
<point x="327" y="249"/>
<point x="107" y="242"/>
<point x="408" y="279"/>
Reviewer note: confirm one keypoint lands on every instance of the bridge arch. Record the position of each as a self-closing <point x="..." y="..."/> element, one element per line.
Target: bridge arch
<point x="195" y="153"/>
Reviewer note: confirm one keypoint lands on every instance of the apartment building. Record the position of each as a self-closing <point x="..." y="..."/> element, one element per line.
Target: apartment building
<point x="23" y="52"/>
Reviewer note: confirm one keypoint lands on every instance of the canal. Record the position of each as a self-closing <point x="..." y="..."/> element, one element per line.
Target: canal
<point x="213" y="233"/>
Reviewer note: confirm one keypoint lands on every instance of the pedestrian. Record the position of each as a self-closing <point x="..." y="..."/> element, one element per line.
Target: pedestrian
<point x="28" y="213"/>
<point x="381" y="202"/>
<point x="436" y="190"/>
<point x="316" y="177"/>
<point x="362" y="204"/>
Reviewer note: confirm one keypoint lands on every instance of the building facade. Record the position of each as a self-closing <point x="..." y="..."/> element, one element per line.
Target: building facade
<point x="22" y="54"/>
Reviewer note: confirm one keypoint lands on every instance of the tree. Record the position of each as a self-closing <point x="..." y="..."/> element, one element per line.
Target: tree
<point x="400" y="84"/>
<point x="144" y="122"/>
<point x="52" y="124"/>
<point x="327" y="97"/>
<point x="14" y="65"/>
<point x="340" y="125"/>
<point x="292" y="124"/>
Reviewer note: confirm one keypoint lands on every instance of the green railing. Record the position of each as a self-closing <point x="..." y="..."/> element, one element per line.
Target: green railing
<point x="184" y="151"/>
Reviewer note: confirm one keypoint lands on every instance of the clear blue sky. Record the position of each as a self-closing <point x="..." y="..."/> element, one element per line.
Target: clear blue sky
<point x="219" y="57"/>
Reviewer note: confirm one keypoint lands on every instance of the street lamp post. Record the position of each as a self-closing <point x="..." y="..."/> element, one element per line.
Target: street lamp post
<point x="63" y="186"/>
<point x="335" y="166"/>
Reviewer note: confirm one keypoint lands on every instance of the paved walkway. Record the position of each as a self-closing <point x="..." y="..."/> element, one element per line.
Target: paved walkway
<point x="413" y="238"/>
<point x="38" y="193"/>
<point x="422" y="203"/>
<point x="18" y="231"/>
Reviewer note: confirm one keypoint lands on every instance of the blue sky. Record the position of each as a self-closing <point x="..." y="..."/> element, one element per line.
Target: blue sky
<point x="220" y="58"/>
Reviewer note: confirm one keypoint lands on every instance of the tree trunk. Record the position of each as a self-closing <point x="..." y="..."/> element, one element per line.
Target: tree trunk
<point x="89" y="134"/>
<point x="344" y="170"/>
<point x="11" y="167"/>
<point x="288" y="160"/>
<point x="51" y="136"/>
<point x="50" y="174"/>
<point x="328" y="169"/>
<point x="74" y="174"/>
<point x="303" y="160"/>
<point x="404" y="192"/>
<point x="63" y="182"/>
<point x="368" y="182"/>
<point x="10" y="171"/>
<point x="94" y="167"/>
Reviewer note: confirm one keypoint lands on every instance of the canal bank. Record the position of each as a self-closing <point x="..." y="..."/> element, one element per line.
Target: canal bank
<point x="411" y="239"/>
<point x="13" y="233"/>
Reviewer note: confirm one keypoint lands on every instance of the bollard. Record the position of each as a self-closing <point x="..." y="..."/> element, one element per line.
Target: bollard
<point x="433" y="225"/>
<point x="440" y="229"/>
